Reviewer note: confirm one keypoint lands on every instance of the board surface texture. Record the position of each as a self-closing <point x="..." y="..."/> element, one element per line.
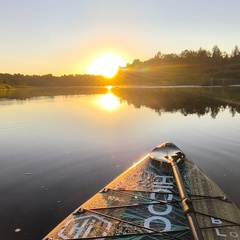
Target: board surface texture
<point x="144" y="203"/>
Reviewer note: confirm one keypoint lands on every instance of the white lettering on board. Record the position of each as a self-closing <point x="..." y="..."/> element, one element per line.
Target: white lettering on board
<point x="83" y="226"/>
<point x="154" y="218"/>
<point x="221" y="234"/>
<point x="234" y="234"/>
<point x="216" y="221"/>
<point x="164" y="185"/>
<point x="78" y="229"/>
<point x="169" y="207"/>
<point x="88" y="229"/>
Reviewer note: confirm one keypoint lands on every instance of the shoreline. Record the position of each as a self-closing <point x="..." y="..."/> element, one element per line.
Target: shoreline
<point x="5" y="87"/>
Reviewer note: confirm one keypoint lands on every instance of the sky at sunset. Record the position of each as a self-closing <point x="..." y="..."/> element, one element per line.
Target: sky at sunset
<point x="65" y="36"/>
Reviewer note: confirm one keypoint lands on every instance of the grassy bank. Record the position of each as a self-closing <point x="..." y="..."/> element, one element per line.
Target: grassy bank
<point x="5" y="87"/>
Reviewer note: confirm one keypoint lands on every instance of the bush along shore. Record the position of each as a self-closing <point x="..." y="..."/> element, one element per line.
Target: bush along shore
<point x="5" y="87"/>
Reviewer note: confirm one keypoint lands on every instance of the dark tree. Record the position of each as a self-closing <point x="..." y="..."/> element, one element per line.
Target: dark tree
<point x="235" y="52"/>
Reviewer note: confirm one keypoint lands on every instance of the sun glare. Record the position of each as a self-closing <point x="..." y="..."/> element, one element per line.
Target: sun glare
<point x="106" y="65"/>
<point x="109" y="101"/>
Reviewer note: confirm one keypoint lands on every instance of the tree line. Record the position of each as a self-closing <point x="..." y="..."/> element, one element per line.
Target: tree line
<point x="200" y="67"/>
<point x="190" y="67"/>
<point x="202" y="57"/>
<point x="8" y="81"/>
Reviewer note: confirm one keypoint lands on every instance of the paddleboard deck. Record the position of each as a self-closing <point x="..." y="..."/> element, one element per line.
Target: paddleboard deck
<point x="144" y="203"/>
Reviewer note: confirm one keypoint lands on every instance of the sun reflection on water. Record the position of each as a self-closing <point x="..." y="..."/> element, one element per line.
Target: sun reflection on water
<point x="109" y="101"/>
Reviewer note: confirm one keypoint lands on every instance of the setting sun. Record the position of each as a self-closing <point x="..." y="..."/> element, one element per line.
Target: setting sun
<point x="106" y="65"/>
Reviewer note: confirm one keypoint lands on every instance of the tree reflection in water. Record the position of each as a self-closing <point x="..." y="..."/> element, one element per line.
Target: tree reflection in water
<point x="198" y="101"/>
<point x="188" y="100"/>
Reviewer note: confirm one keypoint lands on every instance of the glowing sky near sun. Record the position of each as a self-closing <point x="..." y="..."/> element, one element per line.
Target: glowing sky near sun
<point x="106" y="65"/>
<point x="64" y="37"/>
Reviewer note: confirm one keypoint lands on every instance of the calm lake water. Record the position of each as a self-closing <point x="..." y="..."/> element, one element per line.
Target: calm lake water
<point x="58" y="147"/>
